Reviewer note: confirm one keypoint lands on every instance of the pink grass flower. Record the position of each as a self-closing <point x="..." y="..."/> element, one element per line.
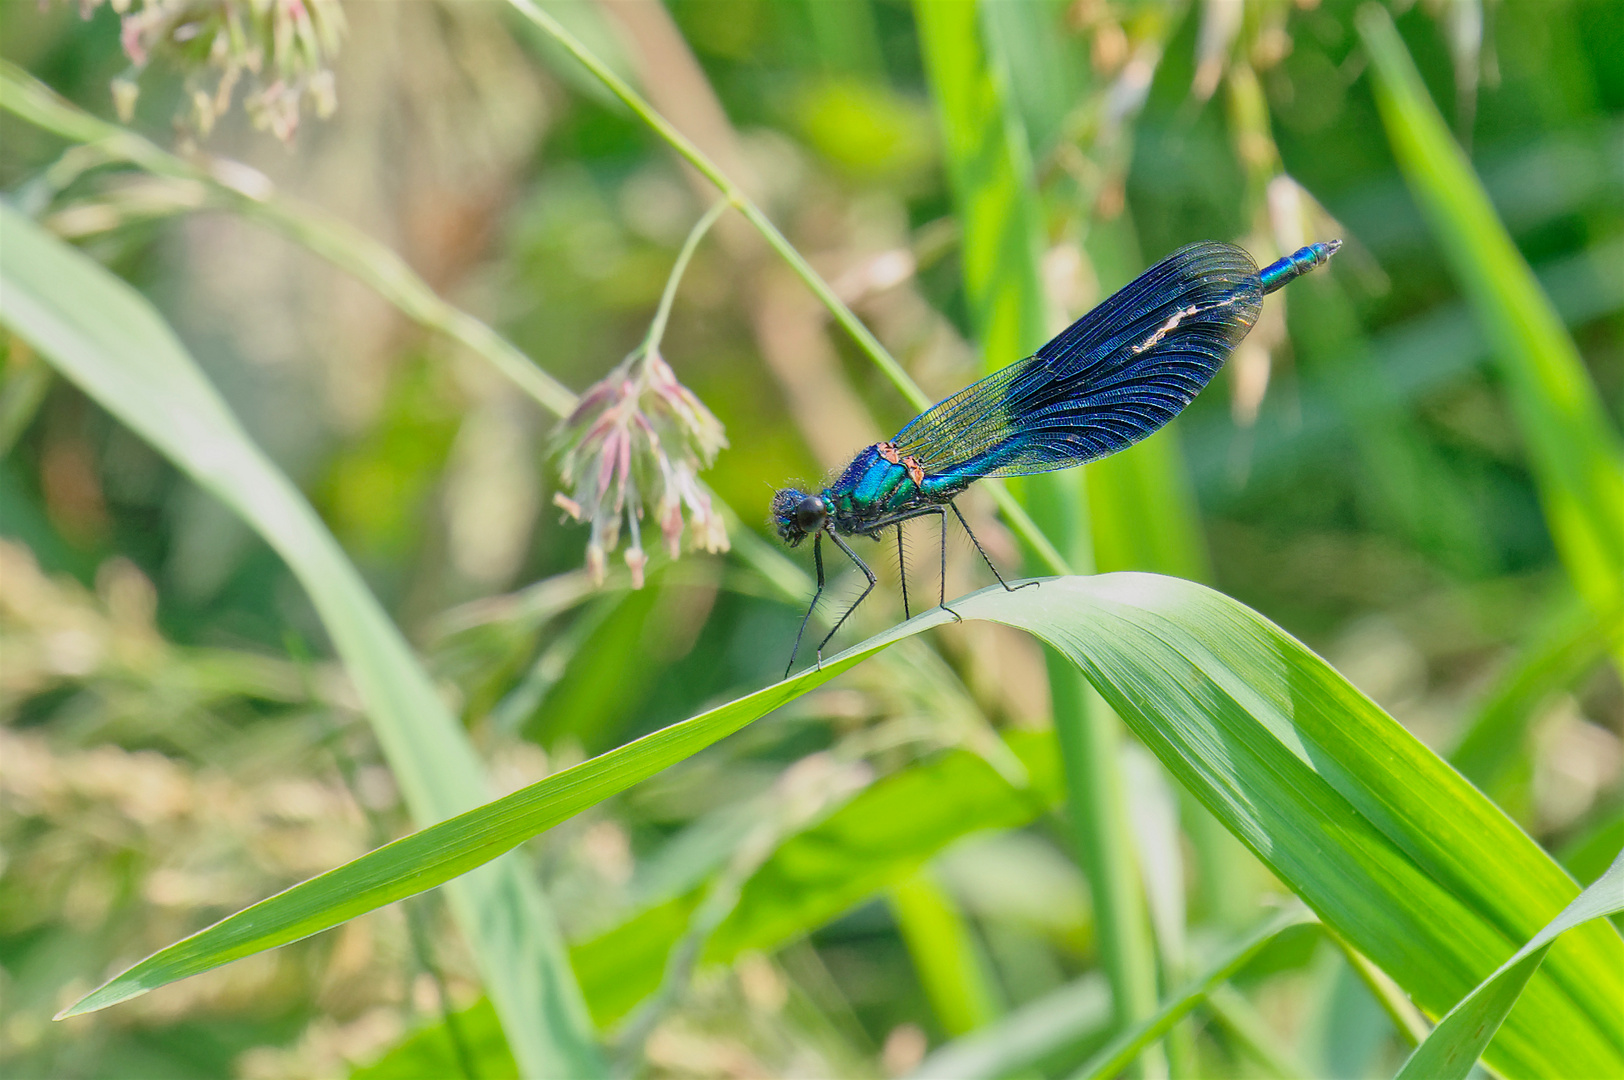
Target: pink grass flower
<point x="633" y="446"/>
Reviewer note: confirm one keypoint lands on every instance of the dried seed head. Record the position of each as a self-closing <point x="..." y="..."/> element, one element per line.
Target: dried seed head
<point x="285" y="48"/>
<point x="635" y="444"/>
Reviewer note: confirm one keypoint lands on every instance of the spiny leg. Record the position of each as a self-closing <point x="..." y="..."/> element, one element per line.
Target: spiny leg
<point x="902" y="572"/>
<point x="1007" y="586"/>
<point x="941" y="516"/>
<point x="872" y="581"/>
<point x="817" y="559"/>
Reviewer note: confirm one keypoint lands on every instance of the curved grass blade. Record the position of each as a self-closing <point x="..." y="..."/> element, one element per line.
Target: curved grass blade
<point x="1454" y="1045"/>
<point x="1393" y="851"/>
<point x="105" y="337"/>
<point x="439" y="853"/>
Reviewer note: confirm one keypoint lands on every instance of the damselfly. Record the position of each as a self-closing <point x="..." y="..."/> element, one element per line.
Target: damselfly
<point x="1113" y="377"/>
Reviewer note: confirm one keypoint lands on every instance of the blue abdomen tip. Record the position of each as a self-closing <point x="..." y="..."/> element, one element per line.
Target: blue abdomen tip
<point x="1295" y="265"/>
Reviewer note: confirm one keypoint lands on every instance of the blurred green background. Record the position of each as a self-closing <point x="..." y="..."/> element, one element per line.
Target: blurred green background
<point x="178" y="743"/>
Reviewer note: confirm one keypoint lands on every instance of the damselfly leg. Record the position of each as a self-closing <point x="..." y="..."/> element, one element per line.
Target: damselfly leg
<point x="984" y="557"/>
<point x="872" y="581"/>
<point x="817" y="560"/>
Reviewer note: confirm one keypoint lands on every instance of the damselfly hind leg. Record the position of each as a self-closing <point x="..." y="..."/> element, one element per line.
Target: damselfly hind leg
<point x="941" y="517"/>
<point x="983" y="552"/>
<point x="902" y="572"/>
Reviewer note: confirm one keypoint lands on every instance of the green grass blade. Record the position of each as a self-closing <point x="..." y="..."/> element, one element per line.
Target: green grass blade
<point x="1393" y="851"/>
<point x="945" y="954"/>
<point x="1454" y="1045"/>
<point x="441" y="852"/>
<point x="104" y="336"/>
<point x="878" y="839"/>
<point x="1574" y="452"/>
<point x="1131" y="1043"/>
<point x="990" y="169"/>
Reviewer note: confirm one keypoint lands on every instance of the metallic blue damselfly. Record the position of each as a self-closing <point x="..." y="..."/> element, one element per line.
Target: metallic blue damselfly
<point x="1110" y="379"/>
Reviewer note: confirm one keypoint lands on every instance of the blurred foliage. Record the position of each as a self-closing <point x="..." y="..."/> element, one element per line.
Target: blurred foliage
<point x="177" y="743"/>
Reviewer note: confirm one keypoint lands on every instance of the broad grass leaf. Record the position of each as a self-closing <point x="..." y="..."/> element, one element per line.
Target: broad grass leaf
<point x="1389" y="846"/>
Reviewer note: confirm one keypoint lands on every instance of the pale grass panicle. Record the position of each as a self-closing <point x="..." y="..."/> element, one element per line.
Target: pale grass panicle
<point x="636" y="443"/>
<point x="284" y="47"/>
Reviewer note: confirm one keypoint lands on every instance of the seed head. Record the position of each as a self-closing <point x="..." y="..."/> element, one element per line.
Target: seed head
<point x="283" y="46"/>
<point x="636" y="443"/>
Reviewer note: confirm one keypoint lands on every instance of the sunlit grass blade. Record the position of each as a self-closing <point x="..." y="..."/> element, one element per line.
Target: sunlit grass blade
<point x="991" y="172"/>
<point x="879" y="838"/>
<point x="441" y="852"/>
<point x="1574" y="452"/>
<point x="1390" y="847"/>
<point x="1454" y="1045"/>
<point x="1115" y="1057"/>
<point x="104" y="336"/>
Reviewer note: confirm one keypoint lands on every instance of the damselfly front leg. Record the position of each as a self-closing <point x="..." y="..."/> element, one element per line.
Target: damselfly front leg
<point x="872" y="581"/>
<point x="817" y="559"/>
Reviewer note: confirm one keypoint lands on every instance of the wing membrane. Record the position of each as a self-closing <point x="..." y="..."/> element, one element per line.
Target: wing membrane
<point x="1113" y="377"/>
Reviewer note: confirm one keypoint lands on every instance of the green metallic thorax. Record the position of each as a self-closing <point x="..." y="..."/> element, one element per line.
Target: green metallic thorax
<point x="874" y="492"/>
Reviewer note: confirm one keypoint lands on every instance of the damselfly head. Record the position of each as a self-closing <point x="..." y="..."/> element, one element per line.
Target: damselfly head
<point x="796" y="515"/>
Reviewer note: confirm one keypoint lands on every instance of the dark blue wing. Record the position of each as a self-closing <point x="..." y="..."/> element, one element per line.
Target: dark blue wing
<point x="1115" y="376"/>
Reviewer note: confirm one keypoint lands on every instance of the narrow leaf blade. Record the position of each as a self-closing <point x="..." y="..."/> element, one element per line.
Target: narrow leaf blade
<point x="105" y="337"/>
<point x="1455" y="1044"/>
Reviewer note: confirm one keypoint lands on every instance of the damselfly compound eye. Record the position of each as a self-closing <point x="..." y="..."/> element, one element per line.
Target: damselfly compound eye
<point x="810" y="514"/>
